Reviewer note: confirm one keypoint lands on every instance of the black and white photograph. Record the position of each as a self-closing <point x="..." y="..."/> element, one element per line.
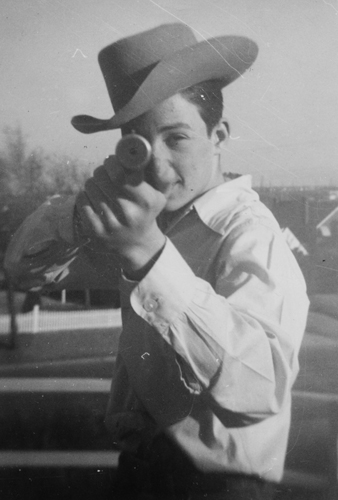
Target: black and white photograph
<point x="169" y="250"/>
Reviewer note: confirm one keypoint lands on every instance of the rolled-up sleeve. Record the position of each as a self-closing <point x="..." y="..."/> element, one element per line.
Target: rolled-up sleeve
<point x="241" y="336"/>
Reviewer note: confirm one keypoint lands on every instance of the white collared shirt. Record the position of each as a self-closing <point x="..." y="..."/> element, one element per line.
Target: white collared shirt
<point x="211" y="335"/>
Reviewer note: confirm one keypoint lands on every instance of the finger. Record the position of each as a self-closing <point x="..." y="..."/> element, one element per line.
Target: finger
<point x="97" y="197"/>
<point x="89" y="215"/>
<point x="82" y="200"/>
<point x="93" y="223"/>
<point x="145" y="195"/>
<point x="109" y="219"/>
<point x="97" y="190"/>
<point x="105" y="226"/>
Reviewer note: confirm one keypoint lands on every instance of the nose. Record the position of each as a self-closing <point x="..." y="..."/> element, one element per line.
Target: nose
<point x="159" y="171"/>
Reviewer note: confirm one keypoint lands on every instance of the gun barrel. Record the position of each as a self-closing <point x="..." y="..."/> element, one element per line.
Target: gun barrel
<point x="133" y="151"/>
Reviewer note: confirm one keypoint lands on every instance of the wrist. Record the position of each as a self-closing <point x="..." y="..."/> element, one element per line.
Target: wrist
<point x="138" y="261"/>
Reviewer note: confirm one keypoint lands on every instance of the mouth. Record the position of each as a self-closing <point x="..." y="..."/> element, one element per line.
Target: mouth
<point x="162" y="185"/>
<point x="169" y="190"/>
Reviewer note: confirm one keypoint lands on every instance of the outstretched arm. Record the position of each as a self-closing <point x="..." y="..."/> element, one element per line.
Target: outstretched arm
<point x="236" y="340"/>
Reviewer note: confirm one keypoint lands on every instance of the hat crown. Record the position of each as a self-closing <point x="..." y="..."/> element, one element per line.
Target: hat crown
<point x="126" y="63"/>
<point x="143" y="70"/>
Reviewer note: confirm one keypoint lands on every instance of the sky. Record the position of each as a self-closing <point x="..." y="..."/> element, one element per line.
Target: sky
<point x="283" y="113"/>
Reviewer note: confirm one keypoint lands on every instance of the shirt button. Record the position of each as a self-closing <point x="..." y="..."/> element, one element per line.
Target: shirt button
<point x="150" y="305"/>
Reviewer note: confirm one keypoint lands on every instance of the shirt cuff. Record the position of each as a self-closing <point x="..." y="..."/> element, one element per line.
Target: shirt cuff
<point x="166" y="291"/>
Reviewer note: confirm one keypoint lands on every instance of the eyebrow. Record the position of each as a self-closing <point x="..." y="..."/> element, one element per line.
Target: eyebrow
<point x="128" y="128"/>
<point x="166" y="128"/>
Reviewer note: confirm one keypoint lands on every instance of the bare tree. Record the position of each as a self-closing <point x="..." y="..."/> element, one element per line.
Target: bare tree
<point x="27" y="178"/>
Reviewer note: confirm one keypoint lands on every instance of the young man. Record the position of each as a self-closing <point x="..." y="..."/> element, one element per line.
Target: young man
<point x="213" y="303"/>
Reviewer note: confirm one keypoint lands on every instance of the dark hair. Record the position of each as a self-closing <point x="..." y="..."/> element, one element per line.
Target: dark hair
<point x="208" y="98"/>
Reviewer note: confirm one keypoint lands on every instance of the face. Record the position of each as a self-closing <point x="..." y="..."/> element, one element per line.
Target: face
<point x="184" y="162"/>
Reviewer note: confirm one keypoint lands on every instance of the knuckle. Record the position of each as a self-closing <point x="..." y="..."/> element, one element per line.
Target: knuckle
<point x="147" y="203"/>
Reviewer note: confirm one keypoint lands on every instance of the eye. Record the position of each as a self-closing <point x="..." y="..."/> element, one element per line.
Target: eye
<point x="174" y="140"/>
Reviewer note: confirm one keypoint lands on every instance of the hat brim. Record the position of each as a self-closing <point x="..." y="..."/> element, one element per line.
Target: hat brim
<point x="223" y="58"/>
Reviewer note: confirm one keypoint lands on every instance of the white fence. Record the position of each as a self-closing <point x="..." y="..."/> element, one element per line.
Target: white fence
<point x="49" y="321"/>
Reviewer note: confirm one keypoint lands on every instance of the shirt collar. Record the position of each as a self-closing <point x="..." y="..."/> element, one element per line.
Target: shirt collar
<point x="216" y="204"/>
<point x="223" y="200"/>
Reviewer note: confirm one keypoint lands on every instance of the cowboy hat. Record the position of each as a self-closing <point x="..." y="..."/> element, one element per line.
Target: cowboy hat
<point x="145" y="69"/>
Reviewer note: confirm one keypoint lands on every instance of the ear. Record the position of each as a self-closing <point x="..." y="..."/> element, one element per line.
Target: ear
<point x="220" y="135"/>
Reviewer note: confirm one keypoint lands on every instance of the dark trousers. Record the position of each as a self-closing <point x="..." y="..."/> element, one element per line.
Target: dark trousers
<point x="165" y="473"/>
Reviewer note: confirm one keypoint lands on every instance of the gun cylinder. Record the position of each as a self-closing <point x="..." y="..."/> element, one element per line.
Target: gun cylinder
<point x="133" y="151"/>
